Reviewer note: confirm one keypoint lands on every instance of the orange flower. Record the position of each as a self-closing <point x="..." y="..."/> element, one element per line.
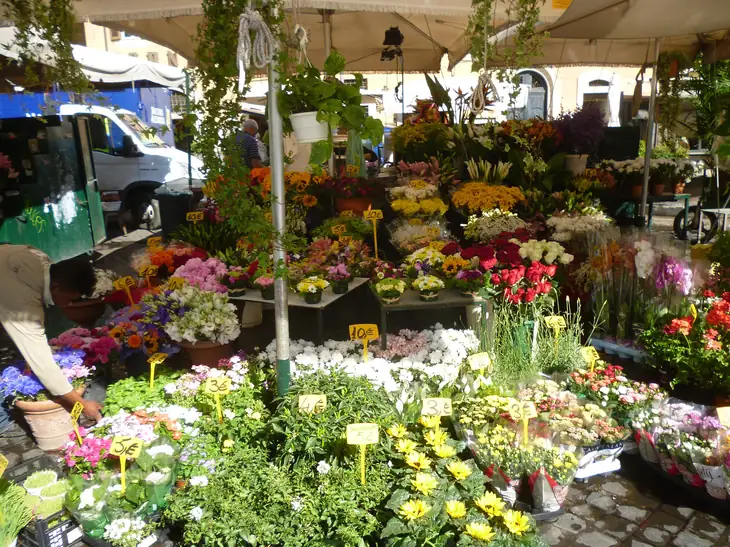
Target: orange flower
<point x="301" y="187"/>
<point x="309" y="201"/>
<point x="151" y="345"/>
<point x="134" y="341"/>
<point x="318" y="180"/>
<point x="117" y="333"/>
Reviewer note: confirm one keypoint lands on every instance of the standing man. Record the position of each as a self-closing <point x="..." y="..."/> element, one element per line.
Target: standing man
<point x="248" y="145"/>
<point x="30" y="281"/>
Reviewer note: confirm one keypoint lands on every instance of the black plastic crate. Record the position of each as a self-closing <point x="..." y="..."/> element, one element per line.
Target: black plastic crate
<point x="58" y="530"/>
<point x="18" y="473"/>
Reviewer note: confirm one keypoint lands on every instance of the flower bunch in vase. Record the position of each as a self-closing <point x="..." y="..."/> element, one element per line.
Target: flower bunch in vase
<point x="203" y="274"/>
<point x="311" y="289"/>
<point x="266" y="284"/>
<point x="428" y="286"/>
<point x="390" y="289"/>
<point x="339" y="277"/>
<point x="204" y="316"/>
<point x="237" y="279"/>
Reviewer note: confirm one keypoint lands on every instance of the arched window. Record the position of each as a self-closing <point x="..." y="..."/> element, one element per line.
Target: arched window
<point x="534" y="103"/>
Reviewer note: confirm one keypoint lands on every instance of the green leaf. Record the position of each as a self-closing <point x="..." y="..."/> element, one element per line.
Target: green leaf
<point x="335" y="63"/>
<point x="398" y="498"/>
<point x="321" y="152"/>
<point x="325" y="89"/>
<point x="394" y="527"/>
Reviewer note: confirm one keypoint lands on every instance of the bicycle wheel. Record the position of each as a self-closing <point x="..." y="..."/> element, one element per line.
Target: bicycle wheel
<point x="709" y="225"/>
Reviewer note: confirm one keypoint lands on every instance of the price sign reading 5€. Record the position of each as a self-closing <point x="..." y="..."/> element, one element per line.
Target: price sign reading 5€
<point x="436" y="406"/>
<point x="129" y="447"/>
<point x="590" y="355"/>
<point x="338" y="229"/>
<point x="555" y="322"/>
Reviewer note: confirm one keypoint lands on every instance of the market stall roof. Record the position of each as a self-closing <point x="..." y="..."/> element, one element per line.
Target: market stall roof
<point x="100" y="66"/>
<point x="431" y="28"/>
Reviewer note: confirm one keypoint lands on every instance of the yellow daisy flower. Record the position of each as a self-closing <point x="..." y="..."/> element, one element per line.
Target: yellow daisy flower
<point x="417" y="460"/>
<point x="456" y="509"/>
<point x="490" y="503"/>
<point x="397" y="431"/>
<point x="459" y="470"/>
<point x="516" y="522"/>
<point x="444" y="451"/>
<point x="425" y="483"/>
<point x="413" y="509"/>
<point x="435" y="437"/>
<point x="405" y="446"/>
<point x="430" y="422"/>
<point x="480" y="530"/>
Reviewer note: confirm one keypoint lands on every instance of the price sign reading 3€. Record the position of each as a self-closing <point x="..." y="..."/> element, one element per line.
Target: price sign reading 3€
<point x="364" y="332"/>
<point x="312" y="404"/>
<point x="436" y="406"/>
<point x="217" y="386"/>
<point x="525" y="411"/>
<point x="125" y="447"/>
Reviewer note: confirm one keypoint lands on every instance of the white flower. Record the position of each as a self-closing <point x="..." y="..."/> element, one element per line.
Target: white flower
<point x="196" y="513"/>
<point x="170" y="388"/>
<point x="323" y="467"/>
<point x="200" y="480"/>
<point x="86" y="499"/>
<point x="296" y="504"/>
<point x="604" y="390"/>
<point x="157" y="477"/>
<point x="229" y="414"/>
<point x="160" y="449"/>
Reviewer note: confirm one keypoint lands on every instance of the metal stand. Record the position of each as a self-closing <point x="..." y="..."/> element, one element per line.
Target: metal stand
<point x="650" y="131"/>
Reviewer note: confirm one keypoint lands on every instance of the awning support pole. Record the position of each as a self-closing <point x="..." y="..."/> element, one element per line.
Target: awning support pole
<point x="650" y="132"/>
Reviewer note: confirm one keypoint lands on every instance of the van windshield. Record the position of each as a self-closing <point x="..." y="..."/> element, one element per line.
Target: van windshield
<point x="145" y="133"/>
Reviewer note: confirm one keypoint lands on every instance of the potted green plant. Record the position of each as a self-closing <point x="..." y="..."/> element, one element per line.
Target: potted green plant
<point x="428" y="286"/>
<point x="390" y="289"/>
<point x="311" y="289"/>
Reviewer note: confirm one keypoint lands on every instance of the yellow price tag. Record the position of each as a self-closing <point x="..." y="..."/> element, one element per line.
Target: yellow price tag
<point x="590" y="356"/>
<point x="220" y="385"/>
<point x="312" y="404"/>
<point x="345" y="240"/>
<point x="338" y="229"/>
<point x="148" y="271"/>
<point x="129" y="447"/>
<point x="415" y="222"/>
<point x="480" y="361"/>
<point x="3" y="464"/>
<point x="433" y="231"/>
<point x="76" y="411"/>
<point x="364" y="332"/>
<point x="195" y="216"/>
<point x="175" y="283"/>
<point x="522" y="410"/>
<point x="437" y="245"/>
<point x="418" y="183"/>
<point x="154" y="242"/>
<point x="372" y="214"/>
<point x="362" y="434"/>
<point x="693" y="311"/>
<point x="561" y="4"/>
<point x="348" y="213"/>
<point x="157" y="358"/>
<point x="723" y="414"/>
<point x="555" y="322"/>
<point x="436" y="406"/>
<point x="124" y="284"/>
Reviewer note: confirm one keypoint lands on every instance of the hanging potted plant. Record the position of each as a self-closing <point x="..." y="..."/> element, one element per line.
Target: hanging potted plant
<point x="339" y="278"/>
<point x="580" y="132"/>
<point x="206" y="325"/>
<point x="428" y="286"/>
<point x="311" y="289"/>
<point x="49" y="422"/>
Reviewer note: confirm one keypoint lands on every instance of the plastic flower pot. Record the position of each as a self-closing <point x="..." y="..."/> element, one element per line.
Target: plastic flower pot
<point x="85" y="313"/>
<point x="429" y="296"/>
<point x="49" y="422"/>
<point x="307" y="129"/>
<point x="313" y="297"/>
<point x="207" y="353"/>
<point x="267" y="293"/>
<point x="390" y="300"/>
<point x="340" y="287"/>
<point x="575" y="163"/>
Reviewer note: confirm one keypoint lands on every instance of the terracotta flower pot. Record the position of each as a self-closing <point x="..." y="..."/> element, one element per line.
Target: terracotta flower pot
<point x="207" y="353"/>
<point x="356" y="205"/>
<point x="657" y="189"/>
<point x="636" y="191"/>
<point x="85" y="312"/>
<point x="49" y="422"/>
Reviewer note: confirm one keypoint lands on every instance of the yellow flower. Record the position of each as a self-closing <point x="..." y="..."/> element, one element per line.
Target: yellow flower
<point x="227" y="445"/>
<point x="456" y="509"/>
<point x="424" y="483"/>
<point x="453" y="264"/>
<point x="413" y="509"/>
<point x="459" y="470"/>
<point x="430" y="422"/>
<point x="405" y="446"/>
<point x="435" y="437"/>
<point x="490" y="503"/>
<point x="516" y="522"/>
<point x="417" y="460"/>
<point x="433" y="206"/>
<point x="480" y="530"/>
<point x="397" y="431"/>
<point x="444" y="450"/>
<point x="406" y="206"/>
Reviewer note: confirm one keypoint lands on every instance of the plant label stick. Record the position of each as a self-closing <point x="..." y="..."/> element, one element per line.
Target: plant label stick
<point x="374" y="215"/>
<point x="124" y="284"/>
<point x="194" y="217"/>
<point x="218" y="386"/>
<point x="3" y="464"/>
<point x="362" y="435"/>
<point x="175" y="283"/>
<point x="364" y="332"/>
<point x="125" y="447"/>
<point x="75" y="415"/>
<point x="312" y="404"/>
<point x="154" y="360"/>
<point x="590" y="355"/>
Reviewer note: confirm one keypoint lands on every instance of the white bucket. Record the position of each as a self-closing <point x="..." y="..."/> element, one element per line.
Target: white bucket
<point x="575" y="163"/>
<point x="307" y="129"/>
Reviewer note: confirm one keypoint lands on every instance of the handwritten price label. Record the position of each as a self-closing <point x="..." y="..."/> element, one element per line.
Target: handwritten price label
<point x="157" y="358"/>
<point x="128" y="447"/>
<point x="590" y="356"/>
<point x="175" y="283"/>
<point x="194" y="217"/>
<point x="338" y="229"/>
<point x="76" y="411"/>
<point x="437" y="245"/>
<point x="148" y="271"/>
<point x="372" y="214"/>
<point x="364" y="332"/>
<point x="220" y="385"/>
<point x="693" y="311"/>
<point x="418" y="183"/>
<point x="124" y="282"/>
<point x="480" y="361"/>
<point x="345" y="240"/>
<point x="433" y="231"/>
<point x="312" y="404"/>
<point x="723" y="414"/>
<point x="415" y="222"/>
<point x="154" y="243"/>
<point x="362" y="434"/>
<point x="347" y="213"/>
<point x="555" y="322"/>
<point x="3" y="464"/>
<point x="436" y="406"/>
<point x="522" y="410"/>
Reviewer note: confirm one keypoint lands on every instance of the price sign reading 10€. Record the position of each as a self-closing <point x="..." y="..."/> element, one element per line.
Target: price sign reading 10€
<point x="372" y="214"/>
<point x="436" y="406"/>
<point x="195" y="216"/>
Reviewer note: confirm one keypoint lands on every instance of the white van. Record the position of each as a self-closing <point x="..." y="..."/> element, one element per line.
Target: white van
<point x="131" y="162"/>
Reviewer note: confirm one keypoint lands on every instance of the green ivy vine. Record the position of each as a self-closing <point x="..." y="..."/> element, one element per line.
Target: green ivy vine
<point x="670" y="67"/>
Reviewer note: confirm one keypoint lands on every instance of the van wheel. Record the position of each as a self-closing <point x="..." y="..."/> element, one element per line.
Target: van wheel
<point x="146" y="211"/>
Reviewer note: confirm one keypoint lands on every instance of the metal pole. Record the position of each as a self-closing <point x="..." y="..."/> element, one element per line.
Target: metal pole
<point x="190" y="144"/>
<point x="650" y="133"/>
<point x="327" y="29"/>
<point x="278" y="216"/>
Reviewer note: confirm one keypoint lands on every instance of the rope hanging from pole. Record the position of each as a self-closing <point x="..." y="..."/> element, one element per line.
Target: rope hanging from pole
<point x="479" y="96"/>
<point x="261" y="52"/>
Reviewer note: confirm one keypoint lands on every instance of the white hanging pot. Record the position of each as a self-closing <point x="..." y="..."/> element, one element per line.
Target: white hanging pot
<point x="307" y="129"/>
<point x="575" y="163"/>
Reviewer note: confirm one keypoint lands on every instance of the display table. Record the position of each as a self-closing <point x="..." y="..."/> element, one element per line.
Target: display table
<point x="651" y="200"/>
<point x="297" y="301"/>
<point x="411" y="301"/>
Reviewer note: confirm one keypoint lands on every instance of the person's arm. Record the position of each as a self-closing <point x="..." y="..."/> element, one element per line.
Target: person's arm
<point x="29" y="336"/>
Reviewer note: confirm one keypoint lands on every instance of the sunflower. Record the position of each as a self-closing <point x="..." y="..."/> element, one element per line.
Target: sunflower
<point x="491" y="504"/>
<point x="134" y="341"/>
<point x="425" y="483"/>
<point x="456" y="509"/>
<point x="480" y="530"/>
<point x="309" y="201"/>
<point x="413" y="509"/>
<point x="317" y="179"/>
<point x="516" y="522"/>
<point x="117" y="333"/>
<point x="418" y="460"/>
<point x="397" y="431"/>
<point x="459" y="470"/>
<point x="301" y="187"/>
